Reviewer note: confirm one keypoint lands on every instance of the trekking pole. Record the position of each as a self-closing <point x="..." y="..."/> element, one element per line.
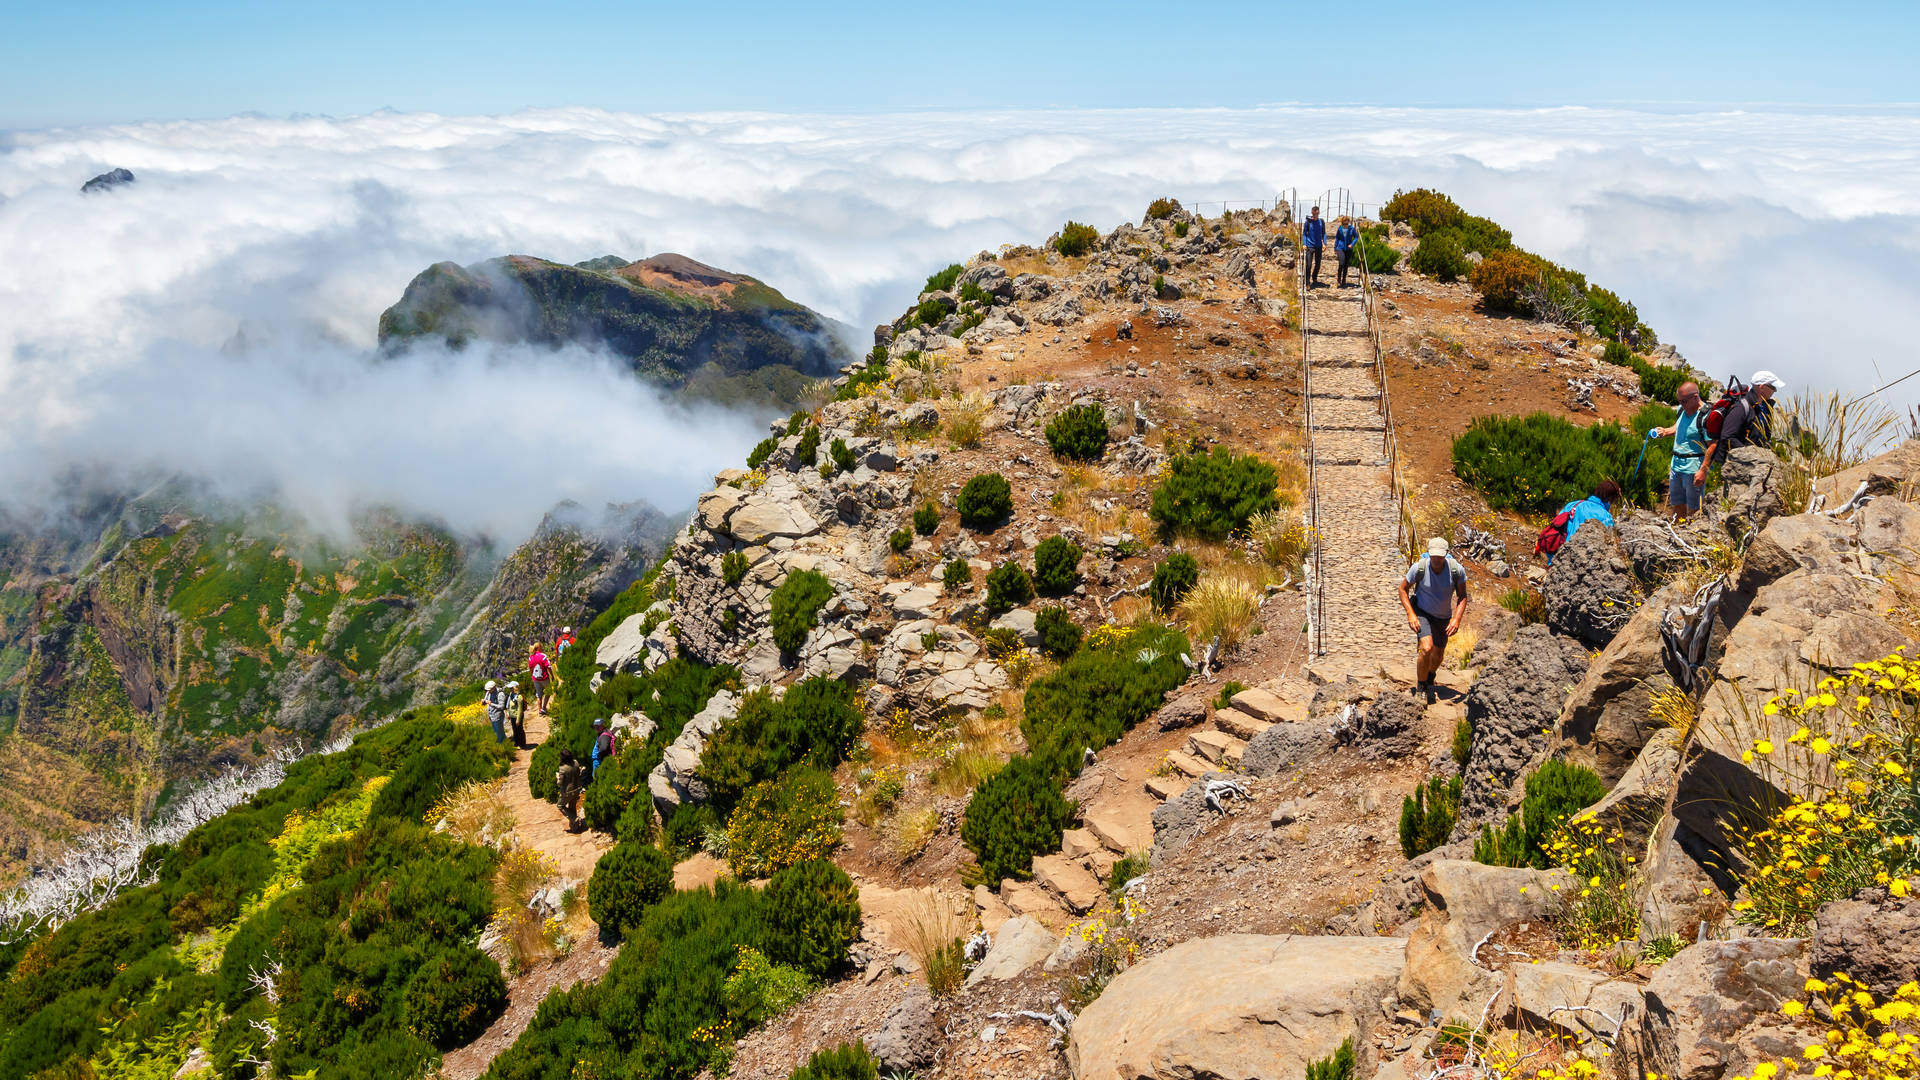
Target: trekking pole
<point x="1651" y="432"/>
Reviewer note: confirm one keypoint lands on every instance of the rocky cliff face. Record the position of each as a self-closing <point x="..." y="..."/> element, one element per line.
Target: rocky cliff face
<point x="671" y="317"/>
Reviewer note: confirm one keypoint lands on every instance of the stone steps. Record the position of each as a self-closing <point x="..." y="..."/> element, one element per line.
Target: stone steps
<point x="1216" y="746"/>
<point x="1191" y="766"/>
<point x="1239" y="724"/>
<point x="1069" y="880"/>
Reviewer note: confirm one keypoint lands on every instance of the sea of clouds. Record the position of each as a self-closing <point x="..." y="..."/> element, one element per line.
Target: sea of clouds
<point x="218" y="316"/>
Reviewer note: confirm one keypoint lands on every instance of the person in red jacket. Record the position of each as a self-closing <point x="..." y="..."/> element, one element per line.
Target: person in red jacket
<point x="540" y="670"/>
<point x="563" y="641"/>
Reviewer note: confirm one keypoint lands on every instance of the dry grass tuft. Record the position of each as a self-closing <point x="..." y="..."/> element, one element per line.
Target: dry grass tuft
<point x="967" y="421"/>
<point x="934" y="936"/>
<point x="1131" y="610"/>
<point x="913" y="830"/>
<point x="1226" y="604"/>
<point x="474" y="813"/>
<point x="1461" y="646"/>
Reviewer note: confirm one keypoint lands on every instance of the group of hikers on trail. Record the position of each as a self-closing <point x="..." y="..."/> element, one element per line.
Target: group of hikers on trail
<point x="1313" y="237"/>
<point x="506" y="713"/>
<point x="1434" y="590"/>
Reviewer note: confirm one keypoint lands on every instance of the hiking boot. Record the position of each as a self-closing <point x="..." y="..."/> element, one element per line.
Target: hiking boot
<point x="1431" y="693"/>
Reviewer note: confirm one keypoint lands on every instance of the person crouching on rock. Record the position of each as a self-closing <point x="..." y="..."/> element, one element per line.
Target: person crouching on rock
<point x="1343" y="240"/>
<point x="571" y="784"/>
<point x="1434" y="593"/>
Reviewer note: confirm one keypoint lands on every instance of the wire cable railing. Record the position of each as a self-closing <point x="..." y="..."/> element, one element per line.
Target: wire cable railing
<point x="1370" y="301"/>
<point x="1316" y="579"/>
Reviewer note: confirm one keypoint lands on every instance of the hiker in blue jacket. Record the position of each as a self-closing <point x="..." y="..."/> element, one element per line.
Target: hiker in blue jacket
<point x="1595" y="507"/>
<point x="1343" y="240"/>
<point x="1313" y="234"/>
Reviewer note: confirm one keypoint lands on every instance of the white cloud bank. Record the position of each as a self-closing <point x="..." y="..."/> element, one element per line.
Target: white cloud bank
<point x="1785" y="240"/>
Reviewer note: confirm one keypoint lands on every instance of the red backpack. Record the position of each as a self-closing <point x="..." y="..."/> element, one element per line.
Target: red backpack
<point x="1716" y="417"/>
<point x="1555" y="534"/>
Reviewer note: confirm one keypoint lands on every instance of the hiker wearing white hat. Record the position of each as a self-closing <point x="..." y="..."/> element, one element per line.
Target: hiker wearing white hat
<point x="517" y="714"/>
<point x="495" y="700"/>
<point x="1742" y="417"/>
<point x="1434" y="584"/>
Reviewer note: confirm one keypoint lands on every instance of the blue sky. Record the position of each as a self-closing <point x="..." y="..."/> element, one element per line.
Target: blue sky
<point x="110" y="60"/>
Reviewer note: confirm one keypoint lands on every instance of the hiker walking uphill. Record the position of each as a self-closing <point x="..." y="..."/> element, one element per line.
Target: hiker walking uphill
<point x="1742" y="417"/>
<point x="571" y="782"/>
<point x="1689" y="435"/>
<point x="1434" y="594"/>
<point x="540" y="669"/>
<point x="1343" y="240"/>
<point x="604" y="744"/>
<point x="1313" y="236"/>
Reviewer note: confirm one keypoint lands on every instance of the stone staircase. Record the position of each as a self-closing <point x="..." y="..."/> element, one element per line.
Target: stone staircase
<point x="1217" y="745"/>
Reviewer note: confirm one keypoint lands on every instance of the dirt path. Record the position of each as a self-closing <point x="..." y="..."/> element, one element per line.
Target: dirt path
<point x="541" y="827"/>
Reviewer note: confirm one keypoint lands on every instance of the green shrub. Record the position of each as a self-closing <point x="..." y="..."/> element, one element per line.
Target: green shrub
<point x="848" y="1061"/>
<point x="1213" y="495"/>
<point x="1224" y="699"/>
<point x="797" y="421"/>
<point x="1173" y="579"/>
<point x="1179" y="229"/>
<point x="813" y="915"/>
<point x="985" y="501"/>
<point x="1059" y="635"/>
<point x="809" y="449"/>
<point x="761" y="451"/>
<point x="1555" y="792"/>
<point x="686" y="830"/>
<point x="454" y="997"/>
<point x="1538" y="463"/>
<point x="1128" y="867"/>
<point x="1017" y="813"/>
<point x="1611" y="316"/>
<point x="733" y="567"/>
<point x="795" y="603"/>
<point x="1524" y="602"/>
<point x="841" y="455"/>
<point x="1379" y="250"/>
<point x="1481" y="235"/>
<point x="1439" y="256"/>
<point x="926" y="519"/>
<point x="1160" y="209"/>
<point x="782" y="822"/>
<point x="972" y="293"/>
<point x="626" y="882"/>
<point x="1076" y="239"/>
<point x="1078" y="432"/>
<point x="816" y="723"/>
<point x="899" y="540"/>
<point x="1008" y="586"/>
<point x="1056" y="565"/>
<point x="1428" y="815"/>
<point x="1505" y="278"/>
<point x="1462" y="747"/>
<point x="1340" y="1066"/>
<point x="618" y="783"/>
<point x="1424" y="209"/>
<point x="759" y="989"/>
<point x="944" y="279"/>
<point x="958" y="575"/>
<point x="1094" y="697"/>
<point x="1658" y="383"/>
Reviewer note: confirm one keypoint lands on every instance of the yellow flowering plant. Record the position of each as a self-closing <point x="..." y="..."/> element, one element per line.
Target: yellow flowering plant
<point x="1861" y="1037"/>
<point x="1855" y="818"/>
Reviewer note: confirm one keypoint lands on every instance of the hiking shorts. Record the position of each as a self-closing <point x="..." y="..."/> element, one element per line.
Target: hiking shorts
<point x="1432" y="626"/>
<point x="1683" y="493"/>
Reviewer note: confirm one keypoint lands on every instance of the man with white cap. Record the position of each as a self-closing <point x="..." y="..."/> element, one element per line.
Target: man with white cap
<point x="1434" y="594"/>
<point x="496" y="702"/>
<point x="1746" y="422"/>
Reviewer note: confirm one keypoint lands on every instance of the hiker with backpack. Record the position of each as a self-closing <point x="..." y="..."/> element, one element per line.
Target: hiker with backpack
<point x="1343" y="240"/>
<point x="540" y="669"/>
<point x="1689" y="450"/>
<point x="605" y="742"/>
<point x="495" y="700"/>
<point x="562" y="641"/>
<point x="1743" y="416"/>
<point x="1434" y="594"/>
<point x="517" y="715"/>
<point x="1595" y="507"/>
<point x="571" y="783"/>
<point x="1313" y="235"/>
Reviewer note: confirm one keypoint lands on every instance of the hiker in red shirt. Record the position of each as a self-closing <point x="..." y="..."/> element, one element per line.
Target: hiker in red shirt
<point x="541" y="671"/>
<point x="563" y="641"/>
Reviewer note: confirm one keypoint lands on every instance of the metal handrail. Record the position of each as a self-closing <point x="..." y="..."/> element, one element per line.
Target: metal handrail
<point x="1369" y="303"/>
<point x="1316" y="580"/>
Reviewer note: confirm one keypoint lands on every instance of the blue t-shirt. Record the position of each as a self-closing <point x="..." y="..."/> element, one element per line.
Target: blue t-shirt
<point x="1689" y="441"/>
<point x="1433" y="593"/>
<point x="1314" y="233"/>
<point x="1585" y="510"/>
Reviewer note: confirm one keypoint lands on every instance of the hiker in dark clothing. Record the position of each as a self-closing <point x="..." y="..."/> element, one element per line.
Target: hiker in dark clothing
<point x="603" y="744"/>
<point x="1434" y="594"/>
<point x="1343" y="240"/>
<point x="1748" y="422"/>
<point x="1313" y="234"/>
<point x="571" y="783"/>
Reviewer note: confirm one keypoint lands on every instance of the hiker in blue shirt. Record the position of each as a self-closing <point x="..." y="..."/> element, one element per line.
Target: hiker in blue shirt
<point x="1343" y="240"/>
<point x="1689" y="447"/>
<point x="1313" y="234"/>
<point x="1595" y="507"/>
<point x="1429" y="593"/>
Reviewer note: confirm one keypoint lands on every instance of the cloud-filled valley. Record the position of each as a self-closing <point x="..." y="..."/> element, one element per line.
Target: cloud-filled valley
<point x="218" y="316"/>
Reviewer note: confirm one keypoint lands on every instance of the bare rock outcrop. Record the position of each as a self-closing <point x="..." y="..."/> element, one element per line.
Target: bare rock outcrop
<point x="1512" y="706"/>
<point x="1590" y="591"/>
<point x="1713" y="1011"/>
